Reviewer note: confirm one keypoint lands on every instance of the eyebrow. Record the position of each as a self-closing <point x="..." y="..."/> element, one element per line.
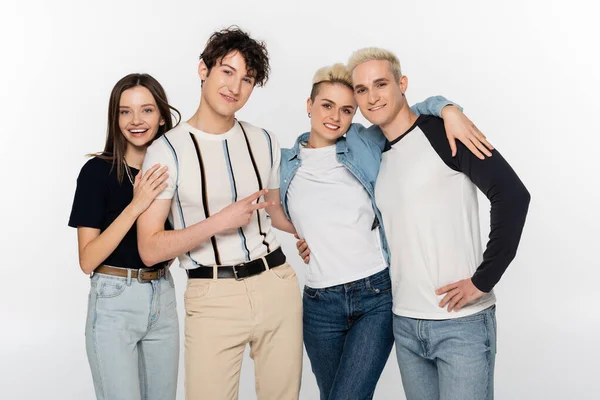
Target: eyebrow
<point x="333" y="102"/>
<point x="378" y="80"/>
<point x="229" y="66"/>
<point x="143" y="105"/>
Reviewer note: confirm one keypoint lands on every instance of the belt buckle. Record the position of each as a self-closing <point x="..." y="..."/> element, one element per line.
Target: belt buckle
<point x="139" y="275"/>
<point x="235" y="272"/>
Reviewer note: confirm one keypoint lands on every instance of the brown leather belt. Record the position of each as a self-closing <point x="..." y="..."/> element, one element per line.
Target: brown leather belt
<point x="143" y="275"/>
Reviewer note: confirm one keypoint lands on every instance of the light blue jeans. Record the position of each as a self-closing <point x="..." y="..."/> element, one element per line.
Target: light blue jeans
<point x="450" y="359"/>
<point x="132" y="338"/>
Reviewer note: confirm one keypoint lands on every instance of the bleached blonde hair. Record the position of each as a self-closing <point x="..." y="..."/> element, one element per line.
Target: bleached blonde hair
<point x="375" y="53"/>
<point x="336" y="73"/>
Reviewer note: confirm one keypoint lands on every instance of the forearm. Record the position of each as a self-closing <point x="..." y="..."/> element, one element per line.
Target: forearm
<point x="98" y="249"/>
<point x="280" y="222"/>
<point x="507" y="219"/>
<point x="165" y="245"/>
<point x="509" y="200"/>
<point x="275" y="211"/>
<point x="433" y="106"/>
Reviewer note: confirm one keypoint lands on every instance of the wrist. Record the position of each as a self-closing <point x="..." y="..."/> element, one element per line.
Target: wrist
<point x="132" y="211"/>
<point x="448" y="109"/>
<point x="218" y="220"/>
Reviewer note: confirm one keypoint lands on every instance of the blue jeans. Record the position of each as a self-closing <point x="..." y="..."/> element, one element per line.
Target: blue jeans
<point x="348" y="335"/>
<point x="451" y="359"/>
<point x="132" y="338"/>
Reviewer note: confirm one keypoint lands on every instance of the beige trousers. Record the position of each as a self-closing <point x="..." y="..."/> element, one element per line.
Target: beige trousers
<point x="224" y="315"/>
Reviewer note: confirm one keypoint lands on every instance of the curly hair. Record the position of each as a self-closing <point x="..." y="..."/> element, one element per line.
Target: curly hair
<point x="231" y="39"/>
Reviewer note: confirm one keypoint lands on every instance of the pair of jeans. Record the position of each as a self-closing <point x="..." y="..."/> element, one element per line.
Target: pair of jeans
<point x="348" y="335"/>
<point x="451" y="359"/>
<point x="132" y="338"/>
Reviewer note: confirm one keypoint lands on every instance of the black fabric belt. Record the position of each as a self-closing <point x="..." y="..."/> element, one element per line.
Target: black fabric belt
<point x="242" y="270"/>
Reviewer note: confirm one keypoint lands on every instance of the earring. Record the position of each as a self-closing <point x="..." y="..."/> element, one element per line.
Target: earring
<point x="309" y="115"/>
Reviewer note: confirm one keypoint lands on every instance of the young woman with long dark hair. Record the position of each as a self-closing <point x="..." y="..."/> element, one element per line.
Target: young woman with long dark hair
<point x="132" y="330"/>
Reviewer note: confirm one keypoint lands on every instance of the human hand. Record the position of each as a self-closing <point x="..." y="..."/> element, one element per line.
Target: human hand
<point x="147" y="187"/>
<point x="458" y="126"/>
<point x="239" y="213"/>
<point x="458" y="294"/>
<point x="303" y="250"/>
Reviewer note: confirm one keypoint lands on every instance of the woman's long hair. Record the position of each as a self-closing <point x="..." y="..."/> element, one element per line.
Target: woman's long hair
<point x="116" y="144"/>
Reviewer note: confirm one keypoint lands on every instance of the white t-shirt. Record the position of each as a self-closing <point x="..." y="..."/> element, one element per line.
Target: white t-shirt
<point x="431" y="219"/>
<point x="331" y="210"/>
<point x="208" y="172"/>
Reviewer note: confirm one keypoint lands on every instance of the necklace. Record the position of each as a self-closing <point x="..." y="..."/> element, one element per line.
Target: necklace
<point x="128" y="172"/>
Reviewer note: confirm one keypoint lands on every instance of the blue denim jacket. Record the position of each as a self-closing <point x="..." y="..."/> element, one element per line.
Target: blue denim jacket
<point x="360" y="152"/>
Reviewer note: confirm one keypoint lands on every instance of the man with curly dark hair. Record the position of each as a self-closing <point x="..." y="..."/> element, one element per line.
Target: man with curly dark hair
<point x="223" y="176"/>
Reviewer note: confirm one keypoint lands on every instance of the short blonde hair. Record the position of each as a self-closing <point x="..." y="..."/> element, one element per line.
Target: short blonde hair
<point x="375" y="53"/>
<point x="336" y="73"/>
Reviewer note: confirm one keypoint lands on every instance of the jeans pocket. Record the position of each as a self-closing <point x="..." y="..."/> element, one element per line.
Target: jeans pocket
<point x="492" y="326"/>
<point x="379" y="286"/>
<point x="169" y="278"/>
<point x="108" y="288"/>
<point x="478" y="316"/>
<point x="311" y="293"/>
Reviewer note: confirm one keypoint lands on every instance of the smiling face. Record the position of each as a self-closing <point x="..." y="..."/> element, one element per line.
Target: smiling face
<point x="379" y="96"/>
<point x="331" y="113"/>
<point x="227" y="86"/>
<point x="139" y="116"/>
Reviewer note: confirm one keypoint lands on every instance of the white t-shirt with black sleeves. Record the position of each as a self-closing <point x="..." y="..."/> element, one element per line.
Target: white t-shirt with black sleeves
<point x="207" y="172"/>
<point x="428" y="201"/>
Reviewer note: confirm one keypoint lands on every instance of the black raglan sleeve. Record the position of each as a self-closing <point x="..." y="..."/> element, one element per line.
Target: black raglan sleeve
<point x="508" y="197"/>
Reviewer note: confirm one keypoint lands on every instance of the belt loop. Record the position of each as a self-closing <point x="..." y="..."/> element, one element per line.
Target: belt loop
<point x="129" y="276"/>
<point x="264" y="260"/>
<point x="215" y="272"/>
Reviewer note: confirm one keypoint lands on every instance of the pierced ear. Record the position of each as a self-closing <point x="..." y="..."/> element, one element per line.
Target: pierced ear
<point x="309" y="106"/>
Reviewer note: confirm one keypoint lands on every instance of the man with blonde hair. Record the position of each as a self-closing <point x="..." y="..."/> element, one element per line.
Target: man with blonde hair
<point x="443" y="303"/>
<point x="327" y="191"/>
